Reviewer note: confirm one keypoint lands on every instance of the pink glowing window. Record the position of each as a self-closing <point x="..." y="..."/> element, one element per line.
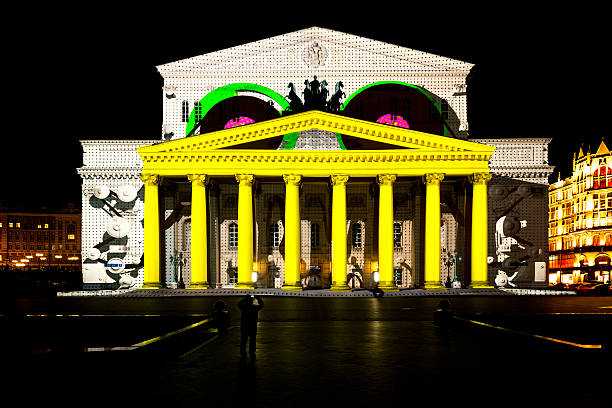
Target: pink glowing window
<point x="393" y="120"/>
<point x="239" y="121"/>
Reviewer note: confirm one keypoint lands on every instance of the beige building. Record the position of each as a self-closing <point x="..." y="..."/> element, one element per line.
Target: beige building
<point x="580" y="220"/>
<point x="39" y="240"/>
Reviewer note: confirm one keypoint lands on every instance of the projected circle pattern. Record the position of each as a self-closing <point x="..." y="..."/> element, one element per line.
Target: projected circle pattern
<point x="393" y="120"/>
<point x="239" y="121"/>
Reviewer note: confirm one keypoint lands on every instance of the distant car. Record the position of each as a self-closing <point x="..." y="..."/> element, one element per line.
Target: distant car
<point x="593" y="288"/>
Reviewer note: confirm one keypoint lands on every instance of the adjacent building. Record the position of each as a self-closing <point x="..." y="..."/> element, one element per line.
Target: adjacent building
<point x="580" y="220"/>
<point x="40" y="240"/>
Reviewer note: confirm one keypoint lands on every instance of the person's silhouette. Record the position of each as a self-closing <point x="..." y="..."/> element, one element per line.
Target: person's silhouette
<point x="249" y="307"/>
<point x="221" y="317"/>
<point x="443" y="315"/>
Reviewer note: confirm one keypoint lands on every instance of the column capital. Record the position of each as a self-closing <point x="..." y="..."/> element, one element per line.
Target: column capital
<point x="150" y="179"/>
<point x="480" y="178"/>
<point x="433" y="178"/>
<point x="245" y="179"/>
<point x="339" y="179"/>
<point x="386" y="179"/>
<point x="198" y="179"/>
<point x="292" y="179"/>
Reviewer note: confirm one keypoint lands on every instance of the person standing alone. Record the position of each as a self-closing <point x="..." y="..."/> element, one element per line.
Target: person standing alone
<point x="249" y="307"/>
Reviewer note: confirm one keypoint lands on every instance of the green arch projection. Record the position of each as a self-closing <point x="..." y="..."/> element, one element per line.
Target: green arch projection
<point x="418" y="88"/>
<point x="227" y="91"/>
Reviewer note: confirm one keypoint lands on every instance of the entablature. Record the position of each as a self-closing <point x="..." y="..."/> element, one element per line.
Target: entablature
<point x="316" y="163"/>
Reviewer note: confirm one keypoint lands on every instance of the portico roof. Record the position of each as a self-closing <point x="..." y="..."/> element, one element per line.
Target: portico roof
<point x="409" y="152"/>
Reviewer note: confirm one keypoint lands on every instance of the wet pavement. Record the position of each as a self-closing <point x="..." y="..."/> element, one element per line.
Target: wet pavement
<point x="345" y="351"/>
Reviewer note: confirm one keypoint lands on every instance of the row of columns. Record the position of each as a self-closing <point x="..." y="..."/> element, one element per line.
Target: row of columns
<point x="199" y="234"/>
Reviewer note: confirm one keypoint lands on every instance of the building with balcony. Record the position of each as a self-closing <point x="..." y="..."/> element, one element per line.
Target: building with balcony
<point x="580" y="220"/>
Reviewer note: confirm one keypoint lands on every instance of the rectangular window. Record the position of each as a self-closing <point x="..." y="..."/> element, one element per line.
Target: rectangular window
<point x="232" y="236"/>
<point x="314" y="234"/>
<point x="274" y="235"/>
<point x="71" y="236"/>
<point x="198" y="111"/>
<point x="444" y="109"/>
<point x="185" y="111"/>
<point x="397" y="275"/>
<point x="397" y="234"/>
<point x="356" y="235"/>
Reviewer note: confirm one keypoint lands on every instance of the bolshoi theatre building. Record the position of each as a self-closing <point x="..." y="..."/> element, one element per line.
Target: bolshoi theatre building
<point x="315" y="159"/>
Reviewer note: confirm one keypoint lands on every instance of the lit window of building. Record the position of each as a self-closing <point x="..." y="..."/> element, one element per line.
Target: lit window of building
<point x="580" y="220"/>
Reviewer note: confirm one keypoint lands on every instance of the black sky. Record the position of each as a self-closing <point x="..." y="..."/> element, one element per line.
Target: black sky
<point x="76" y="75"/>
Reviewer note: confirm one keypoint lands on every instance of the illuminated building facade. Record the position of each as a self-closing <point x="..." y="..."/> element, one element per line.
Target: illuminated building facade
<point x="580" y="220"/>
<point x="315" y="159"/>
<point x="40" y="240"/>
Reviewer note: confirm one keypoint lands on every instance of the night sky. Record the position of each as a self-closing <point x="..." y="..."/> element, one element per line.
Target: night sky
<point x="76" y="75"/>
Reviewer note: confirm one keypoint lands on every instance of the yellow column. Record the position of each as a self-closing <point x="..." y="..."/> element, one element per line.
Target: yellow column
<point x="479" y="230"/>
<point x="151" y="231"/>
<point x="432" y="231"/>
<point x="199" y="235"/>
<point x="292" y="232"/>
<point x="245" y="231"/>
<point x="339" y="234"/>
<point x="385" y="233"/>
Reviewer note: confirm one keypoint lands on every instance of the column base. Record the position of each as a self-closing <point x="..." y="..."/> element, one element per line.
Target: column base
<point x="151" y="286"/>
<point x="294" y="288"/>
<point x="388" y="287"/>
<point x="434" y="286"/>
<point x="245" y="285"/>
<point x="481" y="285"/>
<point x="340" y="288"/>
<point x="203" y="285"/>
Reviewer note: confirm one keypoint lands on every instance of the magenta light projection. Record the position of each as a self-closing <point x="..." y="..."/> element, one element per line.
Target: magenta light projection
<point x="393" y="120"/>
<point x="239" y="121"/>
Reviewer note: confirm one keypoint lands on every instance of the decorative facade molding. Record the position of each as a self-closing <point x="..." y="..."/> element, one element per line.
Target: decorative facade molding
<point x="339" y="179"/>
<point x="433" y="178"/>
<point x="150" y="179"/>
<point x="245" y="179"/>
<point x="386" y="179"/>
<point x="198" y="179"/>
<point x="292" y="179"/>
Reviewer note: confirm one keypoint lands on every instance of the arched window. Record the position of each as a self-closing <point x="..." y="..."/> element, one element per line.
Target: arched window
<point x="583" y="241"/>
<point x="274" y="235"/>
<point x="595" y="240"/>
<point x="356" y="235"/>
<point x="314" y="234"/>
<point x="185" y="111"/>
<point x="397" y="234"/>
<point x="232" y="235"/>
<point x="602" y="177"/>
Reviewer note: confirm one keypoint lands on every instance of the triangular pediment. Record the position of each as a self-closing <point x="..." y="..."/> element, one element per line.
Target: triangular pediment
<point x="318" y="48"/>
<point x="385" y="136"/>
